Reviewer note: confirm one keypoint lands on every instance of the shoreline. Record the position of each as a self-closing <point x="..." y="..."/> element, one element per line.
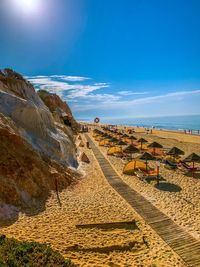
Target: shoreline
<point x="183" y="131"/>
<point x="162" y="126"/>
<point x="178" y="135"/>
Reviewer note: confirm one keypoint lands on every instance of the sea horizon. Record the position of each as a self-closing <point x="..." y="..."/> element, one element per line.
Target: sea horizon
<point x="175" y="123"/>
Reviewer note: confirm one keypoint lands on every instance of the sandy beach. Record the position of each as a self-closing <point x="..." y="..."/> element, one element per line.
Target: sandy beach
<point x="99" y="133"/>
<point x="181" y="206"/>
<point x="92" y="200"/>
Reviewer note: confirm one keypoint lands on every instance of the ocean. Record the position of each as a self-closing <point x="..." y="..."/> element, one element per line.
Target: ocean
<point x="177" y="123"/>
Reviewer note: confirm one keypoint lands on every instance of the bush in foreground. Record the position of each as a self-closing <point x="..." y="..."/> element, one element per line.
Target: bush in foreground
<point x="14" y="253"/>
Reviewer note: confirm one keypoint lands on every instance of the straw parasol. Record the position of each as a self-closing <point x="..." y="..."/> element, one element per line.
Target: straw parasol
<point x="142" y="141"/>
<point x="155" y="145"/>
<point x="97" y="131"/>
<point x="104" y="135"/>
<point x="113" y="140"/>
<point x="147" y="156"/>
<point x="131" y="138"/>
<point x="131" y="150"/>
<point x="121" y="143"/>
<point x="125" y="135"/>
<point x="175" y="151"/>
<point x="192" y="158"/>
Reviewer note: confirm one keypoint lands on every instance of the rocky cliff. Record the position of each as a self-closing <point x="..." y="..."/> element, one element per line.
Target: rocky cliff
<point x="20" y="102"/>
<point x="60" y="110"/>
<point x="36" y="153"/>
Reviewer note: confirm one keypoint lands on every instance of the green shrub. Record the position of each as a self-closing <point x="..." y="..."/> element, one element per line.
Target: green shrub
<point x="14" y="253"/>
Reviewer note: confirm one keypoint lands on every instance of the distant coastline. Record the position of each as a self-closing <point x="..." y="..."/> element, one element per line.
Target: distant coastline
<point x="171" y="123"/>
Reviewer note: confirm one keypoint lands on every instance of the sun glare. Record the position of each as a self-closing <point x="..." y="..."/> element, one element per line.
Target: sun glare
<point x="27" y="6"/>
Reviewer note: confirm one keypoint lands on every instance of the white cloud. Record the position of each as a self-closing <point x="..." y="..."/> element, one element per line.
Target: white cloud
<point x="55" y="84"/>
<point x="83" y="94"/>
<point x="127" y="104"/>
<point x="85" y="90"/>
<point x="128" y="93"/>
<point x="70" y="78"/>
<point x="152" y="99"/>
<point x="99" y="98"/>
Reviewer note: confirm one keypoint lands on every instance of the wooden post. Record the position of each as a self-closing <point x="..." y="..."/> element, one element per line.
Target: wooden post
<point x="158" y="170"/>
<point x="134" y="164"/>
<point x="193" y="170"/>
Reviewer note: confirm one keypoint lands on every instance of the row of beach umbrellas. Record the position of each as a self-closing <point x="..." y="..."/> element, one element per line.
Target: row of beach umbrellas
<point x="131" y="149"/>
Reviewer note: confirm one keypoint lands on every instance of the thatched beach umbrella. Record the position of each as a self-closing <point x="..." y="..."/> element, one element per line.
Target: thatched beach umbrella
<point x="132" y="138"/>
<point x="147" y="156"/>
<point x="100" y="132"/>
<point x="125" y="135"/>
<point x="118" y="134"/>
<point x="121" y="143"/>
<point x="96" y="131"/>
<point x="142" y="141"/>
<point x="175" y="151"/>
<point x="131" y="150"/>
<point x="155" y="145"/>
<point x="105" y="135"/>
<point x="113" y="140"/>
<point x="192" y="158"/>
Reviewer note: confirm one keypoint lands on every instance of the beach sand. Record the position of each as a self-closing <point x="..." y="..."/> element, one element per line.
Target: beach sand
<point x="178" y="195"/>
<point x="92" y="200"/>
<point x="180" y="136"/>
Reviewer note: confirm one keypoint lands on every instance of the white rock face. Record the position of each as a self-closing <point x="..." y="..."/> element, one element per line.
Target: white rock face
<point x="20" y="102"/>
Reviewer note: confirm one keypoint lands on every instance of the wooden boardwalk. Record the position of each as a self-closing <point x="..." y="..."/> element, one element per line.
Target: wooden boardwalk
<point x="186" y="246"/>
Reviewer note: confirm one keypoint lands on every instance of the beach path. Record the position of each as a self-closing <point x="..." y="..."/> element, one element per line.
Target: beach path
<point x="186" y="246"/>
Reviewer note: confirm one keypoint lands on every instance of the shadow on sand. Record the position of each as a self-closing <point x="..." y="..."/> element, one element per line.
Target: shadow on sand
<point x="131" y="246"/>
<point x="9" y="214"/>
<point x="168" y="187"/>
<point x="196" y="175"/>
<point x="154" y="178"/>
<point x="128" y="225"/>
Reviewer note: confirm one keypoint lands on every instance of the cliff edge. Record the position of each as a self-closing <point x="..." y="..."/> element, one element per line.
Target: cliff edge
<point x="59" y="109"/>
<point x="37" y="154"/>
<point x="20" y="102"/>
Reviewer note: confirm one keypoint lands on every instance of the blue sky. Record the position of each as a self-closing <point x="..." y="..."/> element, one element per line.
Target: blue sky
<point x="107" y="58"/>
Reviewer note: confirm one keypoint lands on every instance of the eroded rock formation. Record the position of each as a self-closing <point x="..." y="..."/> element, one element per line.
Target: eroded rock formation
<point x="59" y="109"/>
<point x="36" y="153"/>
<point x="20" y="102"/>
